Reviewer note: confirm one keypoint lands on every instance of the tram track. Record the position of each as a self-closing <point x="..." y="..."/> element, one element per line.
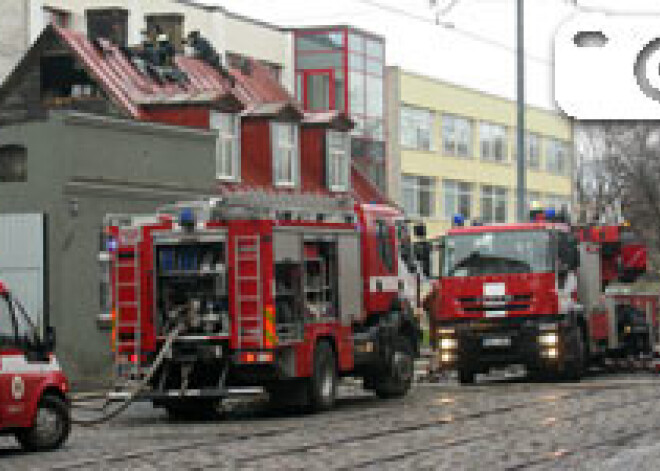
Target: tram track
<point x="549" y="457"/>
<point x="425" y="426"/>
<point x="556" y="394"/>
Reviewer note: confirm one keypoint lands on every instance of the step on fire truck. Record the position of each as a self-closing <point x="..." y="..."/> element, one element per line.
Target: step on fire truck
<point x="283" y="292"/>
<point x="536" y="294"/>
<point x="33" y="389"/>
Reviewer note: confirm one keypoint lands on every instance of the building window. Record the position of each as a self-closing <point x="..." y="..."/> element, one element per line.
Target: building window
<point x="108" y="23"/>
<point x="493" y="204"/>
<point x="457" y="199"/>
<point x="338" y="160"/>
<point x="493" y="142"/>
<point x="557" y="157"/>
<point x="416" y="128"/>
<point x="285" y="154"/>
<point x="343" y="69"/>
<point x="533" y="142"/>
<point x="418" y="195"/>
<point x="456" y="136"/>
<point x="169" y="24"/>
<point x="13" y="164"/>
<point x="55" y="16"/>
<point x="227" y="146"/>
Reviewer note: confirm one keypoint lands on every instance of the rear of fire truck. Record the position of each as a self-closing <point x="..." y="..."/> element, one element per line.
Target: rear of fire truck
<point x="508" y="295"/>
<point x="250" y="294"/>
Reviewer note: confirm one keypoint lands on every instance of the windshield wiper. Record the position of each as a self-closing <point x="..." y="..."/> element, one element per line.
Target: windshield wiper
<point x="475" y="255"/>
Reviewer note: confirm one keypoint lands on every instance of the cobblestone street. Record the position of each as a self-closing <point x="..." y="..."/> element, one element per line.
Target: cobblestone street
<point x="605" y="422"/>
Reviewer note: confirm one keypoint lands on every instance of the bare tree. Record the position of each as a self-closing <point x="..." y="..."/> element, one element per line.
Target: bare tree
<point x="629" y="165"/>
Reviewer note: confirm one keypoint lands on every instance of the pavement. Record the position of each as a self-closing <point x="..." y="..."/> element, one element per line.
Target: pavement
<point x="606" y="422"/>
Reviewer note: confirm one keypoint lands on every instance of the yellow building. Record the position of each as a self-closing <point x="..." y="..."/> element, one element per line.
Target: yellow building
<point x="453" y="151"/>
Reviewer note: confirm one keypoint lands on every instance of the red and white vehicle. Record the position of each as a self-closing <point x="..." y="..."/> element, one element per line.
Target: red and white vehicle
<point x="536" y="294"/>
<point x="33" y="390"/>
<point x="283" y="292"/>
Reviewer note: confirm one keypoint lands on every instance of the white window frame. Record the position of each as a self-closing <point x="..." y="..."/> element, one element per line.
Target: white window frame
<point x="492" y="136"/>
<point x="413" y="183"/>
<point x="457" y="132"/>
<point x="338" y="161"/>
<point x="227" y="167"/>
<point x="279" y="149"/>
<point x="496" y="195"/>
<point x="419" y="123"/>
<point x="556" y="151"/>
<point x="456" y="190"/>
<point x="533" y="150"/>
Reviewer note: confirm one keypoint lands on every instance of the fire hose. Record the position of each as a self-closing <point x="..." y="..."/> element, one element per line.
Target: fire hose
<point x="137" y="388"/>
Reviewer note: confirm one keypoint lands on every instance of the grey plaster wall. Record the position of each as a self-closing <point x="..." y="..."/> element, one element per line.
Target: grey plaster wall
<point x="81" y="168"/>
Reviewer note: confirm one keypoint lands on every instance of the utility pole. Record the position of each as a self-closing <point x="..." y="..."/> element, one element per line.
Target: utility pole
<point x="520" y="138"/>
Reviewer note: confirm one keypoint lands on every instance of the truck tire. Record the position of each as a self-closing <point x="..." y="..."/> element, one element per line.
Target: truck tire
<point x="575" y="369"/>
<point x="322" y="386"/>
<point x="52" y="425"/>
<point x="398" y="378"/>
<point x="466" y="375"/>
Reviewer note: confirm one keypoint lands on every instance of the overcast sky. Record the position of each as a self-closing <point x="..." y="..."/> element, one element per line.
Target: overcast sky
<point x="477" y="52"/>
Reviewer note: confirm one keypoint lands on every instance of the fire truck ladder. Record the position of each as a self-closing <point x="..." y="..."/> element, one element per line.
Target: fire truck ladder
<point x="127" y="305"/>
<point x="249" y="309"/>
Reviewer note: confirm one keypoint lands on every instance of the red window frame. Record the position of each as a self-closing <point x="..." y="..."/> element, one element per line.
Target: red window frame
<point x="304" y="74"/>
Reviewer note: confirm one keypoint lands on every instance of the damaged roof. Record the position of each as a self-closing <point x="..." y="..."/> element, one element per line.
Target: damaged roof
<point x="133" y="89"/>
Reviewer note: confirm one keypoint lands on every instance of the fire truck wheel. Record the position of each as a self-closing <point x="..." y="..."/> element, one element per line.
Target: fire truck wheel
<point x="322" y="386"/>
<point x="397" y="380"/>
<point x="576" y="368"/>
<point x="52" y="425"/>
<point x="466" y="375"/>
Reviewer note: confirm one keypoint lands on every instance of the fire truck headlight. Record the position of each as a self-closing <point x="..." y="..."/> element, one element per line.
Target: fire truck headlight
<point x="548" y="340"/>
<point x="551" y="353"/>
<point x="446" y="357"/>
<point x="448" y="344"/>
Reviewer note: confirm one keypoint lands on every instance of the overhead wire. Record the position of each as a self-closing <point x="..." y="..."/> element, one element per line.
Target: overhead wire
<point x="451" y="28"/>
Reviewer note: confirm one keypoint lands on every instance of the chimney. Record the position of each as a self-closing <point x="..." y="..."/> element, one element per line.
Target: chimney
<point x="108" y="23"/>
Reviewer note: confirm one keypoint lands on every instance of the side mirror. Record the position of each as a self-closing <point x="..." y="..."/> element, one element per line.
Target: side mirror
<point x="420" y="231"/>
<point x="49" y="339"/>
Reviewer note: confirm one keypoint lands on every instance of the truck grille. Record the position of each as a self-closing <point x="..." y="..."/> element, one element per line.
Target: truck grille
<point x="512" y="303"/>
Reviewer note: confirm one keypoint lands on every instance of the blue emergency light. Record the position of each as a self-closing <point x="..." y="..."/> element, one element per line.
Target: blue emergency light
<point x="187" y="217"/>
<point x="111" y="244"/>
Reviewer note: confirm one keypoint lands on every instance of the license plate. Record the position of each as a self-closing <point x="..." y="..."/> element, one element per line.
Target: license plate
<point x="497" y="342"/>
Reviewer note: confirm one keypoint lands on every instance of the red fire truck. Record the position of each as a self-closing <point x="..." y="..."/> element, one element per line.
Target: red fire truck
<point x="284" y="292"/>
<point x="33" y="389"/>
<point x="535" y="294"/>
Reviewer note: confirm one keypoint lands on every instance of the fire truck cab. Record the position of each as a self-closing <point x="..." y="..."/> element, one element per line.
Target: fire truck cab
<point x="283" y="292"/>
<point x="33" y="389"/>
<point x="533" y="294"/>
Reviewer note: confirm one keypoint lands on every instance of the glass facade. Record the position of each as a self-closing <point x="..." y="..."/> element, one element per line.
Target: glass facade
<point x="343" y="69"/>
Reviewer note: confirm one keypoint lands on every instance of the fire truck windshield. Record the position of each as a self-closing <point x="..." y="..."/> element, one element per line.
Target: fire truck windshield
<point x="493" y="253"/>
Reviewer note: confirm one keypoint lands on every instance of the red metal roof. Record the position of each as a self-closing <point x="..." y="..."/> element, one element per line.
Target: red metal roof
<point x="133" y="90"/>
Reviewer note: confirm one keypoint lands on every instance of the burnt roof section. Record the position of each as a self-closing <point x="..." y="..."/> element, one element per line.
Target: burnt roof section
<point x="133" y="90"/>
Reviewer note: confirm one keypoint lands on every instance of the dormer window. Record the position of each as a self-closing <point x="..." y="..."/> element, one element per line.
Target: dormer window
<point x="227" y="145"/>
<point x="338" y="161"/>
<point x="286" y="156"/>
